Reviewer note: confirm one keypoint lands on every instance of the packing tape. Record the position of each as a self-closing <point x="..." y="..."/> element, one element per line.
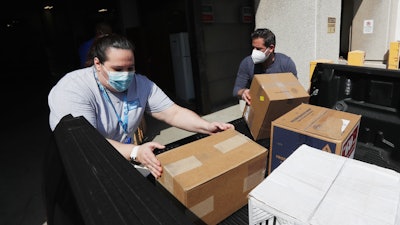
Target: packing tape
<point x="231" y="143"/>
<point x="204" y="207"/>
<point x="179" y="167"/>
<point x="284" y="87"/>
<point x="253" y="180"/>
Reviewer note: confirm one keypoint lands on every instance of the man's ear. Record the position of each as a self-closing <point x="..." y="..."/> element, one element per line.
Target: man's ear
<point x="272" y="47"/>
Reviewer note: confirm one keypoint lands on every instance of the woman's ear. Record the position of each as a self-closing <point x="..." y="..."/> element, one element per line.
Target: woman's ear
<point x="97" y="63"/>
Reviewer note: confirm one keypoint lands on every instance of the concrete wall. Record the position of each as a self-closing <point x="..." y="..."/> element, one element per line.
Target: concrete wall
<point x="374" y="40"/>
<point x="301" y="29"/>
<point x="395" y="18"/>
<point x="371" y="39"/>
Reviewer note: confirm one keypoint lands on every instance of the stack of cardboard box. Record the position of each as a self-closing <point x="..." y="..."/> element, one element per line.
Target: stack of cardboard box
<point x="280" y="111"/>
<point x="212" y="176"/>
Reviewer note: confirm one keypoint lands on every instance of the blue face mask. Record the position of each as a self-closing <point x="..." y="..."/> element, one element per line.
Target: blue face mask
<point x="120" y="81"/>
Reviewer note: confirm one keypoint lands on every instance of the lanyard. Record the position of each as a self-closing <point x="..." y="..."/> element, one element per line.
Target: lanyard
<point x="123" y="124"/>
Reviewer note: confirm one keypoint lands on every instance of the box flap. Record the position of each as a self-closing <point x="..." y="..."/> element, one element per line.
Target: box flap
<point x="319" y="188"/>
<point x="361" y="194"/>
<point x="319" y="121"/>
<point x="302" y="194"/>
<point x="277" y="86"/>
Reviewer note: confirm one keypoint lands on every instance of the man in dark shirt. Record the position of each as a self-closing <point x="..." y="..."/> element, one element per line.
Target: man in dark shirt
<point x="102" y="28"/>
<point x="263" y="60"/>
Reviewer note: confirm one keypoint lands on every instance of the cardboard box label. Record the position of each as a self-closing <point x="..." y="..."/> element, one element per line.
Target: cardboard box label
<point x="349" y="146"/>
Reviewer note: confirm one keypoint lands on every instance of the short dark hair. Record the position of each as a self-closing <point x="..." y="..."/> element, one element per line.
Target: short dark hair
<point x="266" y="34"/>
<point x="103" y="43"/>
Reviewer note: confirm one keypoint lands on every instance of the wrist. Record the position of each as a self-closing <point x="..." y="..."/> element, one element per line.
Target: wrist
<point x="133" y="155"/>
<point x="243" y="93"/>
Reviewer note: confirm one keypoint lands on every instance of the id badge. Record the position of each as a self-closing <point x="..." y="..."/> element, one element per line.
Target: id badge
<point x="128" y="140"/>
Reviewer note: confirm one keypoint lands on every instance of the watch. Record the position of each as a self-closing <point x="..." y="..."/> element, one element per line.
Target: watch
<point x="133" y="155"/>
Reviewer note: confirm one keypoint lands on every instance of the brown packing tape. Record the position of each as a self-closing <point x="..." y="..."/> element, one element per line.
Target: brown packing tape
<point x="331" y="126"/>
<point x="284" y="88"/>
<point x="168" y="181"/>
<point x="310" y="112"/>
<point x="204" y="207"/>
<point x="329" y="123"/>
<point x="248" y="115"/>
<point x="253" y="180"/>
<point x="179" y="167"/>
<point x="231" y="143"/>
<point x="302" y="115"/>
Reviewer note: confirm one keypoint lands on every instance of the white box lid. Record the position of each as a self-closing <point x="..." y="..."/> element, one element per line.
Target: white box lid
<point x="319" y="188"/>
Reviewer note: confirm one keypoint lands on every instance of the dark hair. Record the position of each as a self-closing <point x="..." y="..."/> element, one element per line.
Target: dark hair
<point x="266" y="34"/>
<point x="103" y="43"/>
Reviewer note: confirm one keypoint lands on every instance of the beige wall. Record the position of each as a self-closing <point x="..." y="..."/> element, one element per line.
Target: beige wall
<point x="375" y="40"/>
<point x="395" y="20"/>
<point x="301" y="29"/>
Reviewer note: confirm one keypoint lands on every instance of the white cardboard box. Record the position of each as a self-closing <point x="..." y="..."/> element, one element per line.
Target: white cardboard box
<point x="314" y="187"/>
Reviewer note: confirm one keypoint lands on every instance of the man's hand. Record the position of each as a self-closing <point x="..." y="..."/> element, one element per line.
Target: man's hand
<point x="246" y="96"/>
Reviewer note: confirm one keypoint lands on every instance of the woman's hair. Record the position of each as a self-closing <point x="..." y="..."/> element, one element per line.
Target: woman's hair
<point x="266" y="34"/>
<point x="102" y="43"/>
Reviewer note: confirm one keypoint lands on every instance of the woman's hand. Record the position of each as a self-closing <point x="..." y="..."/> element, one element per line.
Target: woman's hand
<point x="215" y="127"/>
<point x="146" y="157"/>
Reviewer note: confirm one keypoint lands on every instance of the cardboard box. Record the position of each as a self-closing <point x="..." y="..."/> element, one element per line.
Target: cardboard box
<point x="319" y="127"/>
<point x="272" y="95"/>
<point x="315" y="187"/>
<point x="356" y="58"/>
<point x="394" y="53"/>
<point x="213" y="175"/>
<point x="313" y="64"/>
